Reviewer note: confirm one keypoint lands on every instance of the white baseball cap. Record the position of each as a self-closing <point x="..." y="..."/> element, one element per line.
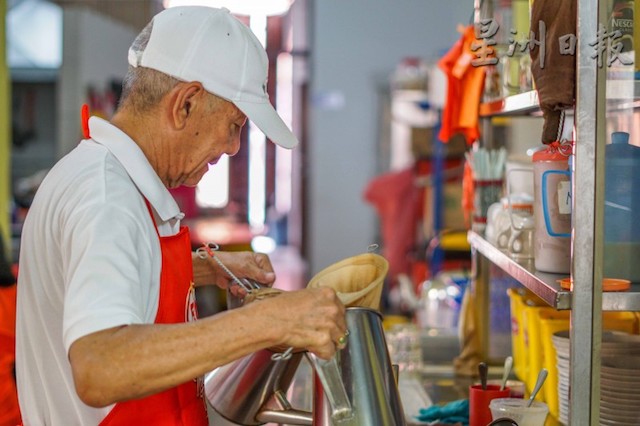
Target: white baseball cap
<point x="209" y="45"/>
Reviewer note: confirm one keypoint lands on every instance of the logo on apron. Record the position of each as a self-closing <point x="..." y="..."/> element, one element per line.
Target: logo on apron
<point x="190" y="307"/>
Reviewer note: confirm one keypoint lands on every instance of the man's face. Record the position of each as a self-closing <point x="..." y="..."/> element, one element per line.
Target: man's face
<point x="212" y="131"/>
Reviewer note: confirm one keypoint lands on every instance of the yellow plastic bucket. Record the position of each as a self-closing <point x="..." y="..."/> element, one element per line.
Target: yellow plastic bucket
<point x="518" y="298"/>
<point x="532" y="317"/>
<point x="620" y="321"/>
<point x="551" y="321"/>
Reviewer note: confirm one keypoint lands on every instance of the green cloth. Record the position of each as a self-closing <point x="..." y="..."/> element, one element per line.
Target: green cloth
<point x="450" y="413"/>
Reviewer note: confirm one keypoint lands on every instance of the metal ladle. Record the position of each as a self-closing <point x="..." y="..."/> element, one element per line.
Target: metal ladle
<point x="508" y="364"/>
<point x="484" y="371"/>
<point x="542" y="376"/>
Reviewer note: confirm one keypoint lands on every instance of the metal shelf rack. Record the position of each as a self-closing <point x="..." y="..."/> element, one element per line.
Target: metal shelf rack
<point x="596" y="99"/>
<point x="520" y="104"/>
<point x="545" y="285"/>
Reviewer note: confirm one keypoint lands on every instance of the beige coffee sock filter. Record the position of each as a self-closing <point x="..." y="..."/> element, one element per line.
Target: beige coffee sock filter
<point x="357" y="280"/>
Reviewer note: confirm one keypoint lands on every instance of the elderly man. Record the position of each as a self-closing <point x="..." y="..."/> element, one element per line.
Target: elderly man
<point x="107" y="332"/>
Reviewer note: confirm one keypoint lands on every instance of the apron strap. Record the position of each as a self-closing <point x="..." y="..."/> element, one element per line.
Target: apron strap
<point x="84" y="115"/>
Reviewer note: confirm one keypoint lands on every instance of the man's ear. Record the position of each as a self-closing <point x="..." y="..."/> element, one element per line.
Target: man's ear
<point x="186" y="97"/>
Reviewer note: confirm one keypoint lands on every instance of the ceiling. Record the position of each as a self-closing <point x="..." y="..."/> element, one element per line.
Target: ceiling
<point x="136" y="13"/>
<point x="34" y="27"/>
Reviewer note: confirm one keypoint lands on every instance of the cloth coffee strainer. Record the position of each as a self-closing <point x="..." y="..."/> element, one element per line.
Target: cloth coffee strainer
<point x="357" y="280"/>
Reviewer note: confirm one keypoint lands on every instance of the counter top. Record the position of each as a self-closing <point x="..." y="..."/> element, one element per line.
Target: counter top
<point x="442" y="385"/>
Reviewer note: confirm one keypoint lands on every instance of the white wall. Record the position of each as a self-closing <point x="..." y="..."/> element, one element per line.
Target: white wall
<point x="355" y="45"/>
<point x="94" y="53"/>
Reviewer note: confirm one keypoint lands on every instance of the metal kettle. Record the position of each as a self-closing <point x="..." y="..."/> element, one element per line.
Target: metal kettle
<point x="367" y="374"/>
<point x="252" y="390"/>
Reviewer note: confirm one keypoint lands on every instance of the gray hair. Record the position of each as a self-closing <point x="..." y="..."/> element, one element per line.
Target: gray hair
<point x="143" y="88"/>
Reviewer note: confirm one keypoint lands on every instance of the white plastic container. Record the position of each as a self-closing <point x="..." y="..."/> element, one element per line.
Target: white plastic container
<point x="519" y="182"/>
<point x="498" y="230"/>
<point x="521" y="238"/>
<point x="552" y="209"/>
<point x="517" y="410"/>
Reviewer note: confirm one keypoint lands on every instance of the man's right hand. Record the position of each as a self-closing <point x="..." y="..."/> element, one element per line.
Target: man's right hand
<point x="311" y="319"/>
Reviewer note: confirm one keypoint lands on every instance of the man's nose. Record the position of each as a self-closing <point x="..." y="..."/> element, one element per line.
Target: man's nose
<point x="235" y="147"/>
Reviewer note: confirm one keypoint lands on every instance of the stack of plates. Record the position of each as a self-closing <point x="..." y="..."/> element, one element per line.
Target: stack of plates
<point x="619" y="379"/>
<point x="561" y="343"/>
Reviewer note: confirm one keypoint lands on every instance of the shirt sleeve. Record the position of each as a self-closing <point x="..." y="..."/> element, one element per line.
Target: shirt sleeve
<point x="109" y="278"/>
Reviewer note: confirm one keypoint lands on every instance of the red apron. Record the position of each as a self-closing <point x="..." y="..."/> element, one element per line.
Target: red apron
<point x="184" y="404"/>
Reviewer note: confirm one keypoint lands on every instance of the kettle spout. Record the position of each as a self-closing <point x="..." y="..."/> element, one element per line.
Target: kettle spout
<point x="291" y="417"/>
<point x="279" y="410"/>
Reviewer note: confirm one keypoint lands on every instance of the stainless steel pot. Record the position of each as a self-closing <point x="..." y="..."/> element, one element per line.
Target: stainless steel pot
<point x="251" y="390"/>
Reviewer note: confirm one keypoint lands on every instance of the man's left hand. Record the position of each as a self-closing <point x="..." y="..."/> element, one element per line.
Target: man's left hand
<point x="245" y="264"/>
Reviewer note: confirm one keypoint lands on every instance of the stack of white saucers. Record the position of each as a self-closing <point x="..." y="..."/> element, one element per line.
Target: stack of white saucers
<point x="561" y="343"/>
<point x="619" y="380"/>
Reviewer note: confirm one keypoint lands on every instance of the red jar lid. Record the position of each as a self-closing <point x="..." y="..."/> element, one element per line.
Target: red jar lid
<point x="555" y="151"/>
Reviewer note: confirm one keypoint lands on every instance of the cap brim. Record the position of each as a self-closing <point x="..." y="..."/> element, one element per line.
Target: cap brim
<point x="269" y="122"/>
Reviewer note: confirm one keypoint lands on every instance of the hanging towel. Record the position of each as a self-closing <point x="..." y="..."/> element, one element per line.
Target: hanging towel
<point x="465" y="83"/>
<point x="554" y="73"/>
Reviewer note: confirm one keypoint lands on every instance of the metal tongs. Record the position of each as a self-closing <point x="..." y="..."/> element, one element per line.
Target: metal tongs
<point x="208" y="250"/>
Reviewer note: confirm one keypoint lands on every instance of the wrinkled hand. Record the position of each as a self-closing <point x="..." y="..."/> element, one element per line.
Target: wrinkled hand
<point x="253" y="266"/>
<point x="312" y="319"/>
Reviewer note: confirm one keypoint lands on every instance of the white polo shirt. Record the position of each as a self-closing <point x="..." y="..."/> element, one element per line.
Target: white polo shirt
<point x="90" y="260"/>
